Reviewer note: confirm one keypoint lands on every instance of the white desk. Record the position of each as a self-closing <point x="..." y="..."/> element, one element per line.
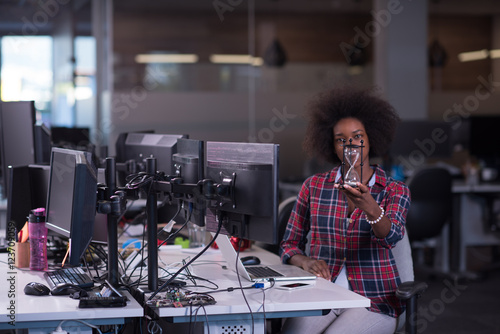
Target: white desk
<point x="42" y="314"/>
<point x="231" y="308"/>
<point x="470" y="204"/>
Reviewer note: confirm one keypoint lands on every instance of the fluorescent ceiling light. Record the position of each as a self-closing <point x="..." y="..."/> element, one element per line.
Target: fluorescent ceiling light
<point x="236" y="59"/>
<point x="166" y="58"/>
<point x="495" y="53"/>
<point x="473" y="55"/>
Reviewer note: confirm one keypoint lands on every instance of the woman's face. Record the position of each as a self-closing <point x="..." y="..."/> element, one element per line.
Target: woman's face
<point x="346" y="129"/>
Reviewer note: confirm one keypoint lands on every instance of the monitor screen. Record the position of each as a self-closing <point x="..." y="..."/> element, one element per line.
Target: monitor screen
<point x="72" y="138"/>
<point x="28" y="187"/>
<point x="416" y="141"/>
<point x="17" y="147"/>
<point x="483" y="140"/>
<point x="249" y="209"/>
<point x="139" y="146"/>
<point x="72" y="199"/>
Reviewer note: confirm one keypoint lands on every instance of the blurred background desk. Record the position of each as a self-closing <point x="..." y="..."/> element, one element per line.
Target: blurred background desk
<point x="474" y="214"/>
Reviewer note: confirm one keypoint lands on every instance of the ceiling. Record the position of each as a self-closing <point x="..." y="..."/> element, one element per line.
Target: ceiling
<point x="15" y="13"/>
<point x="469" y="7"/>
<point x="476" y="7"/>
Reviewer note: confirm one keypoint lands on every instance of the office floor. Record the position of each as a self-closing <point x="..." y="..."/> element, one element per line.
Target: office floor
<point x="466" y="306"/>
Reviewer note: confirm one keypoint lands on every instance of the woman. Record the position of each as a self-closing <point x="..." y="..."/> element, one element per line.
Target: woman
<point x="352" y="228"/>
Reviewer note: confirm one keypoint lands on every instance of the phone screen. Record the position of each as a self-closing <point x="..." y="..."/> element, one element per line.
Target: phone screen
<point x="292" y="286"/>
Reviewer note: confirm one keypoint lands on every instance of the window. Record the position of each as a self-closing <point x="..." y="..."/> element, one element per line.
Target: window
<point x="26" y="71"/>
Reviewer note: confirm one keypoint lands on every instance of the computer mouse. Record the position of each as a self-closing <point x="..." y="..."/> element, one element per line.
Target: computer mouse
<point x="65" y="289"/>
<point x="250" y="260"/>
<point x="36" y="289"/>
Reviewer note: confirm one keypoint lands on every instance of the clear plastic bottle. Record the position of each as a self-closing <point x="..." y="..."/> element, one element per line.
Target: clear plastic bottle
<point x="37" y="239"/>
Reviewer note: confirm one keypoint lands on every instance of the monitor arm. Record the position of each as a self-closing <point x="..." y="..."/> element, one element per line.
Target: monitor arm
<point x="112" y="201"/>
<point x="206" y="189"/>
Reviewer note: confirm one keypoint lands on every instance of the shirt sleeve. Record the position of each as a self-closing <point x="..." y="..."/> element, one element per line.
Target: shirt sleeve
<point x="295" y="236"/>
<point x="396" y="203"/>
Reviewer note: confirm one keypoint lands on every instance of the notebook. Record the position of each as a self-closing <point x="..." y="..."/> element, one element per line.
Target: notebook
<point x="279" y="272"/>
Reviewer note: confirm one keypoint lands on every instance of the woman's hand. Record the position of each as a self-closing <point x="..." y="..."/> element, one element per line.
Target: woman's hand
<point x="360" y="196"/>
<point x="362" y="199"/>
<point x="316" y="267"/>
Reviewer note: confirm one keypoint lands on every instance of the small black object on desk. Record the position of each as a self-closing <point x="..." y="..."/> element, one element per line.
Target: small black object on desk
<point x="250" y="260"/>
<point x="36" y="289"/>
<point x="65" y="289"/>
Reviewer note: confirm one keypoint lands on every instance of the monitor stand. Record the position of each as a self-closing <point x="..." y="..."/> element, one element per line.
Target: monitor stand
<point x="113" y="274"/>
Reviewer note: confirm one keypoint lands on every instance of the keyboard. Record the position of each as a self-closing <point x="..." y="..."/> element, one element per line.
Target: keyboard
<point x="262" y="272"/>
<point x="75" y="276"/>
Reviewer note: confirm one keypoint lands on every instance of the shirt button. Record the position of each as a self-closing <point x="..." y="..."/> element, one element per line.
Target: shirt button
<point x="349" y="278"/>
<point x="345" y="259"/>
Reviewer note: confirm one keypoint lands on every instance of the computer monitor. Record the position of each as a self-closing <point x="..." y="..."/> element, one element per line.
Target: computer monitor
<point x="484" y="140"/>
<point x="248" y="173"/>
<point x="120" y="144"/>
<point x="72" y="199"/>
<point x="43" y="144"/>
<point x="71" y="137"/>
<point x="28" y="187"/>
<point x="418" y="141"/>
<point x="189" y="166"/>
<point x="17" y="146"/>
<point x="139" y="146"/>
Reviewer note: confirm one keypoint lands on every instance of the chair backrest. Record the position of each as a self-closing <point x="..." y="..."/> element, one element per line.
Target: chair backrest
<point x="284" y="211"/>
<point x="404" y="262"/>
<point x="431" y="202"/>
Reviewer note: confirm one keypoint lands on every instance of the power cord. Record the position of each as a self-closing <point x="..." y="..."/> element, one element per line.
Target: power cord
<point x="241" y="287"/>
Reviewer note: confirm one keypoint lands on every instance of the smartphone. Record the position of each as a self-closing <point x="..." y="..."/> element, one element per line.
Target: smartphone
<point x="292" y="286"/>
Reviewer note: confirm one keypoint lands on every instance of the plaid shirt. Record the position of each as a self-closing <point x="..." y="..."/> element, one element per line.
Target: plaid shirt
<point x="341" y="240"/>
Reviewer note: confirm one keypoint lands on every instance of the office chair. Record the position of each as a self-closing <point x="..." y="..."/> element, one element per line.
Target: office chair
<point x="409" y="290"/>
<point x="431" y="209"/>
<point x="284" y="211"/>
